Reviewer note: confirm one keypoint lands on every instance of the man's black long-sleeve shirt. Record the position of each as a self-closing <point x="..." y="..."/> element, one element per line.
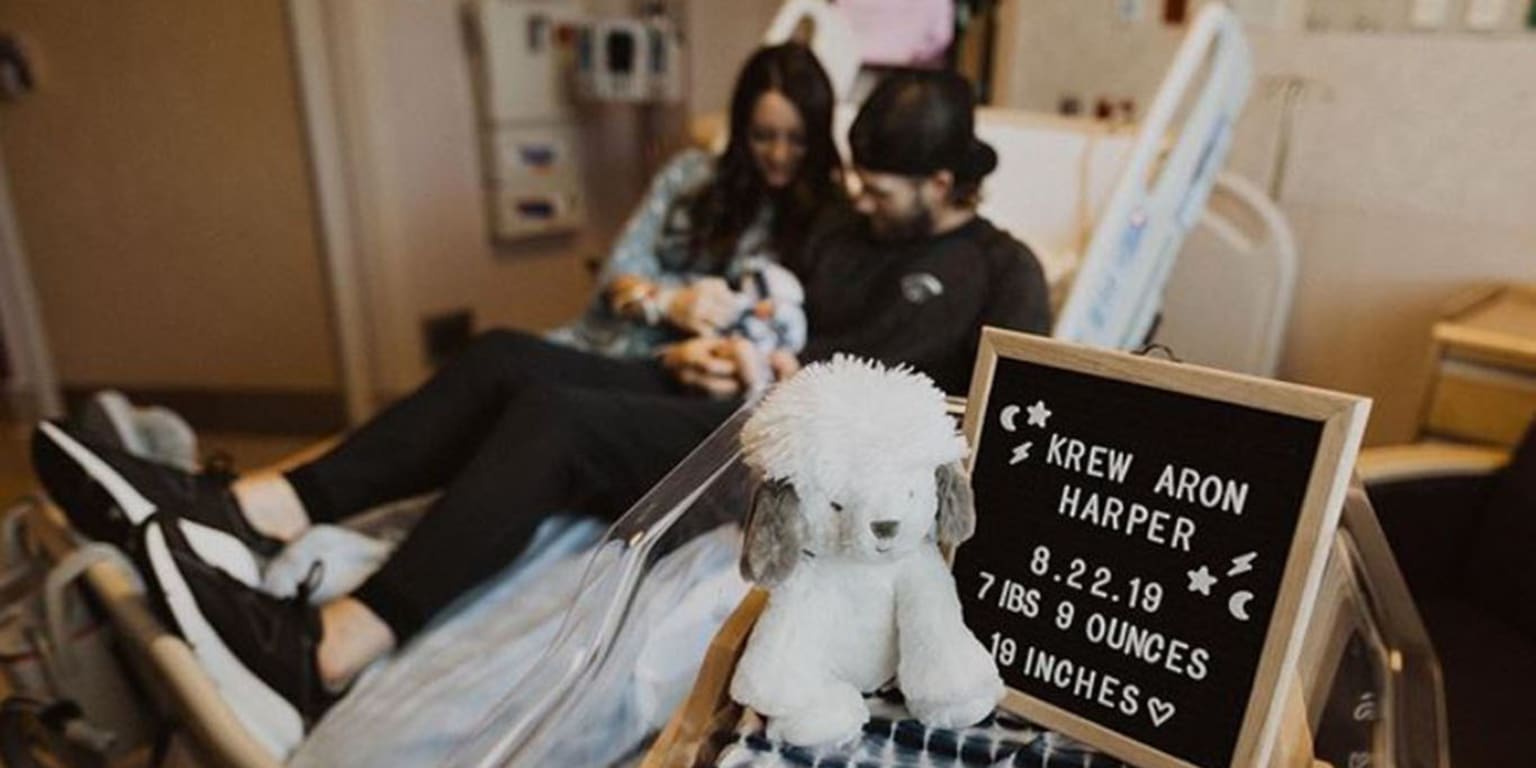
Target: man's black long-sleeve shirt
<point x="921" y="302"/>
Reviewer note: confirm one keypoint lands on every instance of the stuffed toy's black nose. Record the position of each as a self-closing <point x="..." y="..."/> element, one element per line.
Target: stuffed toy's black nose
<point x="884" y="529"/>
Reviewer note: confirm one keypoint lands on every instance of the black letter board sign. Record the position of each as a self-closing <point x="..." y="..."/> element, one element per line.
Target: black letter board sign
<point x="1150" y="540"/>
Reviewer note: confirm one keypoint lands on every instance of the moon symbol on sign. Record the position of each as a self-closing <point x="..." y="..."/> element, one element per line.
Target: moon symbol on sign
<point x="1009" y="411"/>
<point x="1238" y="604"/>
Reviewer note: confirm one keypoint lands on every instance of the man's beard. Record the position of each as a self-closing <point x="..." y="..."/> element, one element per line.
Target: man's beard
<point x="917" y="226"/>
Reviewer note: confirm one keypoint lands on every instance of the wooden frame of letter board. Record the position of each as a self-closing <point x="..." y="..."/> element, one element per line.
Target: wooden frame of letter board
<point x="1343" y="417"/>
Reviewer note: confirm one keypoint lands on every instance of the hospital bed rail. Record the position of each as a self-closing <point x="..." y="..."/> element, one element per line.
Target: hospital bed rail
<point x="1228" y="301"/>
<point x="1162" y="191"/>
<point x="182" y="690"/>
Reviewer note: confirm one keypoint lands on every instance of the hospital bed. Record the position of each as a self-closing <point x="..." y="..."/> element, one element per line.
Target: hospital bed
<point x="588" y="665"/>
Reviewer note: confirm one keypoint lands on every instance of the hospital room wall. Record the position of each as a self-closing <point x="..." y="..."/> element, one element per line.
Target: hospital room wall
<point x="425" y="239"/>
<point x="159" y="182"/>
<point x="720" y="32"/>
<point x="1408" y="180"/>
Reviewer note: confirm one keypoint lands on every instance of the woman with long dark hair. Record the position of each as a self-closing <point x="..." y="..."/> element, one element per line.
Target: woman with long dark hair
<point x="705" y="218"/>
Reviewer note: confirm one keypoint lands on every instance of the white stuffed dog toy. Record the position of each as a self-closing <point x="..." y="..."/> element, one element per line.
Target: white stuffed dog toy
<point x="860" y="483"/>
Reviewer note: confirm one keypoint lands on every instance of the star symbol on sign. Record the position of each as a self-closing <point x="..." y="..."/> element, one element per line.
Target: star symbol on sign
<point x="1020" y="453"/>
<point x="1200" y="580"/>
<point x="1038" y="413"/>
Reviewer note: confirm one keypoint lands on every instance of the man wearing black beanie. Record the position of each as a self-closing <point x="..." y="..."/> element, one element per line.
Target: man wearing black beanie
<point x="917" y="275"/>
<point x="917" y="155"/>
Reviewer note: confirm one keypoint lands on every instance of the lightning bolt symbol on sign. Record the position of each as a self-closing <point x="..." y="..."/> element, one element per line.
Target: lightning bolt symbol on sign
<point x="1242" y="563"/>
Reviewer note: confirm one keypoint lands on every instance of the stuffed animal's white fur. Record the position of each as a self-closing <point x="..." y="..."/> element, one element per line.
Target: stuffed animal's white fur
<point x="860" y="483"/>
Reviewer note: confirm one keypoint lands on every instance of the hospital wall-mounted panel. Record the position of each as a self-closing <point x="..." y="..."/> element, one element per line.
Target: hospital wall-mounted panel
<point x="1485" y="18"/>
<point x="1419" y="16"/>
<point x="535" y="186"/>
<point x="525" y="74"/>
<point x="526" y="49"/>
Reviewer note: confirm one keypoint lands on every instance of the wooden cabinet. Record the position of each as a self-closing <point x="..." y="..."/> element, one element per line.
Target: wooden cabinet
<point x="1484" y="377"/>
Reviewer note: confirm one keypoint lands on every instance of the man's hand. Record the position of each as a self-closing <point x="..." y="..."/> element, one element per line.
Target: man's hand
<point x="703" y="308"/>
<point x="710" y="364"/>
<point x="725" y="367"/>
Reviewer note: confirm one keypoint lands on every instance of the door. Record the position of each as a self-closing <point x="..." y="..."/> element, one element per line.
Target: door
<point x="27" y="378"/>
<point x="162" y="190"/>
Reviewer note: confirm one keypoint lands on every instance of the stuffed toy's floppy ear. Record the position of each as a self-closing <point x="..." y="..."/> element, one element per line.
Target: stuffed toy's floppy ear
<point x="775" y="531"/>
<point x="957" y="507"/>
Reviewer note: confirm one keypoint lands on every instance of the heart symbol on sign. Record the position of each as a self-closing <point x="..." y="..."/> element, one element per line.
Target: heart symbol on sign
<point x="1161" y="710"/>
<point x="1359" y="759"/>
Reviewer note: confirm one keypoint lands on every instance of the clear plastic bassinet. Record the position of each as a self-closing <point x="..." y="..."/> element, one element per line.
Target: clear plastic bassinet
<point x="1368" y="681"/>
<point x="548" y="716"/>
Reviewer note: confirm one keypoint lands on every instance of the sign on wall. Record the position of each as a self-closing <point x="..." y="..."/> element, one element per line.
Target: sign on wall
<point x="1150" y="539"/>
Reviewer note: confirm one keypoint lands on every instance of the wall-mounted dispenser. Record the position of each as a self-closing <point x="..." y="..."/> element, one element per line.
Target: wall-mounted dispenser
<point x="630" y="59"/>
<point x="530" y="146"/>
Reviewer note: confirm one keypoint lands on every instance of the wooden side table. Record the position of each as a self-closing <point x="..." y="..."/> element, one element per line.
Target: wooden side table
<point x="1483" y="387"/>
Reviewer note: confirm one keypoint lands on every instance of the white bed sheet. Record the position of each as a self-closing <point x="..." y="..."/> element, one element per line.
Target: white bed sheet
<point x="420" y="705"/>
